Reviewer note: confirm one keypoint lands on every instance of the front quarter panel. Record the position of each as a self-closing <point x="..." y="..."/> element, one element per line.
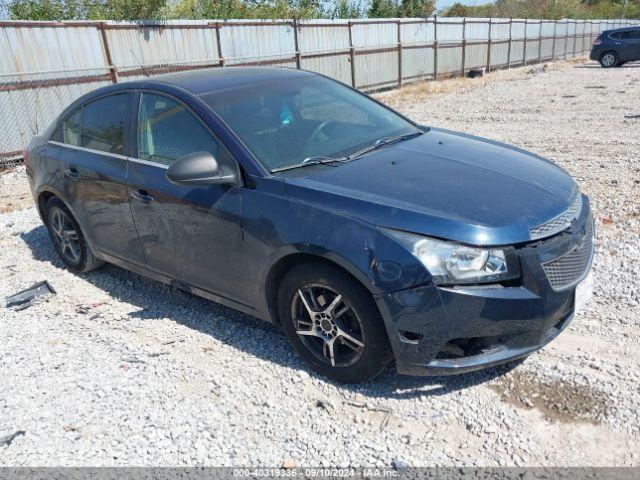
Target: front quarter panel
<point x="277" y="225"/>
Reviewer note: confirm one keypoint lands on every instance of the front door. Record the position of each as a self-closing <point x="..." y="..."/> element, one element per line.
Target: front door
<point x="634" y="44"/>
<point x="190" y="233"/>
<point x="628" y="44"/>
<point x="92" y="143"/>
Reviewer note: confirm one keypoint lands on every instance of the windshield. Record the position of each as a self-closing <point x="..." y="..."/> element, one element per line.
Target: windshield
<point x="286" y="122"/>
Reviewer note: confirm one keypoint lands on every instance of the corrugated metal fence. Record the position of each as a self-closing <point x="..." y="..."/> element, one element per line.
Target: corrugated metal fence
<point x="46" y="65"/>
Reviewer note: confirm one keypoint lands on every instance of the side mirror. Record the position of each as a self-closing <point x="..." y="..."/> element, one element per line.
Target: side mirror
<point x="199" y="168"/>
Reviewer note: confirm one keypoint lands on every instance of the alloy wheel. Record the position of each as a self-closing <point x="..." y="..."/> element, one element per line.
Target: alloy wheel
<point x="608" y="60"/>
<point x="65" y="236"/>
<point x="328" y="325"/>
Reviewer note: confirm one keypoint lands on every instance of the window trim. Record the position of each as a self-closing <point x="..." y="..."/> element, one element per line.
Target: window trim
<point x="126" y="127"/>
<point x="85" y="149"/>
<point x="133" y="130"/>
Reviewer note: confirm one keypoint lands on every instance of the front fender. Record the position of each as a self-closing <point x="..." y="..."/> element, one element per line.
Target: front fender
<point x="277" y="225"/>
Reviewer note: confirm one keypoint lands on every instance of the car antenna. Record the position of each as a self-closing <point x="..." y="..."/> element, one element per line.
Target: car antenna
<point x="146" y="74"/>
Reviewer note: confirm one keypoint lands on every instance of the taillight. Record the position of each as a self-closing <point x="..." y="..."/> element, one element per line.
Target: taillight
<point x="597" y="41"/>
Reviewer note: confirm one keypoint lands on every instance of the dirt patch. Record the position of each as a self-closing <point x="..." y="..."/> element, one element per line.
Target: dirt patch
<point x="14" y="190"/>
<point x="416" y="91"/>
<point x="556" y="399"/>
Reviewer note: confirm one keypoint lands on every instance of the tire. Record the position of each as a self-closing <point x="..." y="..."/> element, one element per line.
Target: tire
<point x="345" y="339"/>
<point x="67" y="238"/>
<point x="609" y="59"/>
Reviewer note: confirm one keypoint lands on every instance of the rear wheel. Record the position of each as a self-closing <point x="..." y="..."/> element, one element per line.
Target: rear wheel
<point x="68" y="239"/>
<point x="609" y="59"/>
<point x="333" y="323"/>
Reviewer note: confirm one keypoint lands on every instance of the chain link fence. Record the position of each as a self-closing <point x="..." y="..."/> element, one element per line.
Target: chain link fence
<point x="44" y="66"/>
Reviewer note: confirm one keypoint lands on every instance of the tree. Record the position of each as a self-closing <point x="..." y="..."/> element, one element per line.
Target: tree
<point x="347" y="9"/>
<point x="86" y="9"/>
<point x="456" y="10"/>
<point x="383" y="9"/>
<point x="417" y="8"/>
<point x="128" y="10"/>
<point x="44" y="10"/>
<point x="546" y="9"/>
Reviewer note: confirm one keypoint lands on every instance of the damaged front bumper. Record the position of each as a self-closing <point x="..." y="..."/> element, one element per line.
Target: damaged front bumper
<point x="437" y="330"/>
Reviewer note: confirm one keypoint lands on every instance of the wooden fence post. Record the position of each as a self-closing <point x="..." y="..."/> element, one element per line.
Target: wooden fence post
<point x="399" y="53"/>
<point x="553" y="45"/>
<point x="566" y="38"/>
<point x="435" y="47"/>
<point x="113" y="71"/>
<point x="295" y="41"/>
<point x="217" y="26"/>
<point x="524" y="47"/>
<point x="464" y="43"/>
<point x="510" y="41"/>
<point x="540" y="42"/>
<point x="352" y="57"/>
<point x="489" y="48"/>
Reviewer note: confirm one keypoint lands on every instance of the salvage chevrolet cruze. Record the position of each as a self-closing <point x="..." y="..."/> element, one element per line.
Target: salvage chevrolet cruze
<point x="296" y="199"/>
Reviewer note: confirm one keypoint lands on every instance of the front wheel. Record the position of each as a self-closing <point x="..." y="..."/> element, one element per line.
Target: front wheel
<point x="333" y="323"/>
<point x="609" y="59"/>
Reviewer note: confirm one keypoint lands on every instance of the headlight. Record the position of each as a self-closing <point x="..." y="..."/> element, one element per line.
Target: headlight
<point x="453" y="263"/>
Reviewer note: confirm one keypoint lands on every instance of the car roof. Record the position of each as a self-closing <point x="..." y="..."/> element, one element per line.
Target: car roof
<point x="210" y="80"/>
<point x="622" y="29"/>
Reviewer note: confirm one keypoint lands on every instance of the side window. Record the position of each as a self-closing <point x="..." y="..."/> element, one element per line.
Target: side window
<point x="69" y="131"/>
<point x="102" y="124"/>
<point x="615" y="35"/>
<point x="98" y="125"/>
<point x="629" y="35"/>
<point x="167" y="130"/>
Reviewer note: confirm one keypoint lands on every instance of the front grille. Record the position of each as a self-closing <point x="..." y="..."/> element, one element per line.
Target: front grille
<point x="559" y="223"/>
<point x="566" y="271"/>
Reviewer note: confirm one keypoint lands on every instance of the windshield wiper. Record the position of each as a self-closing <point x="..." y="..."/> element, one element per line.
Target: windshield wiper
<point x="381" y="142"/>
<point x="320" y="160"/>
<point x="307" y="162"/>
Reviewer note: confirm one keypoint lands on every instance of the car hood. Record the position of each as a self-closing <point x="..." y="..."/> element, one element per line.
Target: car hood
<point x="443" y="184"/>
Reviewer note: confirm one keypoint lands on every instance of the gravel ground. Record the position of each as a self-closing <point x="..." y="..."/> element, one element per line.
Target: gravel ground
<point x="119" y="370"/>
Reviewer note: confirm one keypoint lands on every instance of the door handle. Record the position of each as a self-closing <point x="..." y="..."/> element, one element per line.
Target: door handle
<point x="73" y="174"/>
<point x="142" y="196"/>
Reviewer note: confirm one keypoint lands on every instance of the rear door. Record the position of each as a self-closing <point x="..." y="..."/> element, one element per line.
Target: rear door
<point x="190" y="233"/>
<point x="93" y="151"/>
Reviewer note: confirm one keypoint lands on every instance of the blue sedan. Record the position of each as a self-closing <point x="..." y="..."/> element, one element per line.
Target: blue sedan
<point x="296" y="199"/>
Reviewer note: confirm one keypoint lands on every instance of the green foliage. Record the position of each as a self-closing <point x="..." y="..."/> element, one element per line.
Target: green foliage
<point x="86" y="9"/>
<point x="271" y="9"/>
<point x="417" y="8"/>
<point x="347" y="9"/>
<point x="383" y="9"/>
<point x="401" y="8"/>
<point x="547" y="9"/>
<point x="45" y="10"/>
